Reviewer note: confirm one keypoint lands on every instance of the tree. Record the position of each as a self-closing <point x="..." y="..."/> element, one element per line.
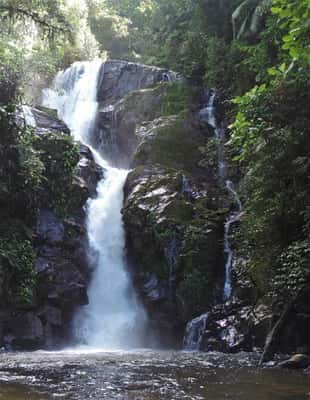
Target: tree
<point x="47" y="15"/>
<point x="294" y="16"/>
<point x="248" y="17"/>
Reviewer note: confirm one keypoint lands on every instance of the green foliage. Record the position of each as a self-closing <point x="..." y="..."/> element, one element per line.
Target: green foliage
<point x="294" y="17"/>
<point x="16" y="264"/>
<point x="59" y="155"/>
<point x="293" y="274"/>
<point x="111" y="32"/>
<point x="37" y="39"/>
<point x="177" y="98"/>
<point x="48" y="15"/>
<point x="271" y="140"/>
<point x="245" y="137"/>
<point x="225" y="70"/>
<point x="35" y="171"/>
<point x="20" y="166"/>
<point x="32" y="167"/>
<point x="258" y="57"/>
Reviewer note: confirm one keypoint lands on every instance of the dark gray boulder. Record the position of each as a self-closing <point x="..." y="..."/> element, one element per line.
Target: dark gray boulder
<point x="118" y="78"/>
<point x="25" y="331"/>
<point x="50" y="228"/>
<point x="88" y="170"/>
<point x="44" y="120"/>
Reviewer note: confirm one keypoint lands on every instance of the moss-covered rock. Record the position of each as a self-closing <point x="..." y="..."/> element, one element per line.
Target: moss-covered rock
<point x="172" y="142"/>
<point x="117" y="130"/>
<point x="174" y="222"/>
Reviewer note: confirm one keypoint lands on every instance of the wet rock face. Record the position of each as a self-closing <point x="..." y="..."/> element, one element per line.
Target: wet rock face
<point x="129" y="94"/>
<point x="117" y="127"/>
<point x="61" y="265"/>
<point x="230" y="328"/>
<point x="25" y="331"/>
<point x="195" y="331"/>
<point x="60" y="269"/>
<point x="50" y="228"/>
<point x="174" y="224"/>
<point x="118" y="78"/>
<point x="60" y="282"/>
<point x="44" y="119"/>
<point x="88" y="171"/>
<point x="48" y="122"/>
<point x="227" y="330"/>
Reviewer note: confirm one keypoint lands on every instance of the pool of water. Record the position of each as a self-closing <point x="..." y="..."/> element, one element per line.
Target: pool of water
<point x="145" y="375"/>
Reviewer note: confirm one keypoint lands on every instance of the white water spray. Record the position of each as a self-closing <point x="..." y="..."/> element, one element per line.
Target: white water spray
<point x="28" y="116"/>
<point x="114" y="318"/>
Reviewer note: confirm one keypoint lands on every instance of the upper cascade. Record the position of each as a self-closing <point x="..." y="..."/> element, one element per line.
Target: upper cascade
<point x="74" y="96"/>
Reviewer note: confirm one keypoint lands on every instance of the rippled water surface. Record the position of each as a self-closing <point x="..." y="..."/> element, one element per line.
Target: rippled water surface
<point x="145" y="375"/>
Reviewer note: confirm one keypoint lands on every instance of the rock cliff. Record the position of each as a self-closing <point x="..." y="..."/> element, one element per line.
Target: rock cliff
<point x="47" y="263"/>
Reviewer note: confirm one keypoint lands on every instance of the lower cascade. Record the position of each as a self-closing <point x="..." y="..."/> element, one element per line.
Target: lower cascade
<point x="114" y="318"/>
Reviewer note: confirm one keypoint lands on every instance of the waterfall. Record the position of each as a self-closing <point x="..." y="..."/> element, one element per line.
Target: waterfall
<point x="114" y="318"/>
<point x="210" y="115"/>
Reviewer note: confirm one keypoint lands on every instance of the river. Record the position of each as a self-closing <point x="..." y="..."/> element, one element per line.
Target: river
<point x="145" y="375"/>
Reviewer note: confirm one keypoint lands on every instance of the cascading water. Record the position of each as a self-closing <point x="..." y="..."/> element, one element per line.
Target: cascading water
<point x="28" y="116"/>
<point x="210" y="115"/>
<point x="196" y="328"/>
<point x="113" y="318"/>
<point x="233" y="218"/>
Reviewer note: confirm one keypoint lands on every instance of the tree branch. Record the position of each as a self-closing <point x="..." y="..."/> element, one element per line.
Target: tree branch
<point x="37" y="19"/>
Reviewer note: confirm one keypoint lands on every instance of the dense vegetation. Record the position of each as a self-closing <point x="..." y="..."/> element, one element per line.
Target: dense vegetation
<point x="31" y="167"/>
<point x="255" y="53"/>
